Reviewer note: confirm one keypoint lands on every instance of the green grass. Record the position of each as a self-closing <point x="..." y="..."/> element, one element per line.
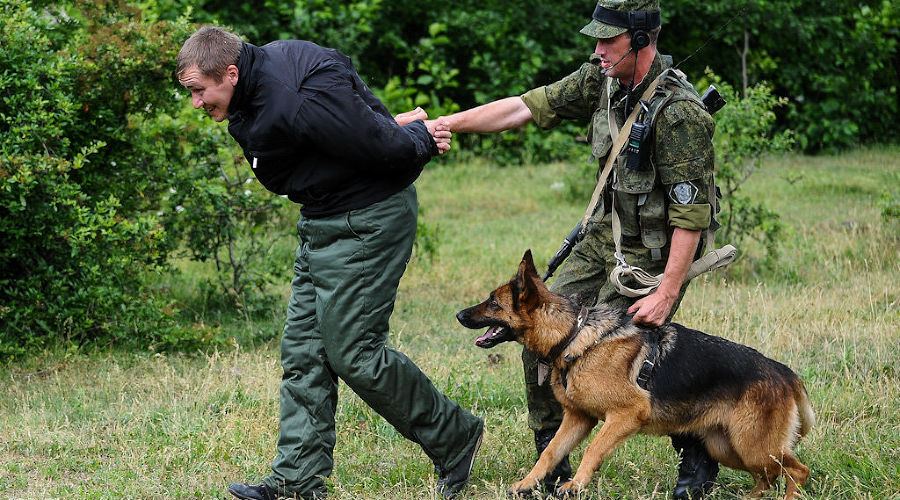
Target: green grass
<point x="143" y="425"/>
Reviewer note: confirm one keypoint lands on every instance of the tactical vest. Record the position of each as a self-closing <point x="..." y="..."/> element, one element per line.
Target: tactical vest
<point x="641" y="200"/>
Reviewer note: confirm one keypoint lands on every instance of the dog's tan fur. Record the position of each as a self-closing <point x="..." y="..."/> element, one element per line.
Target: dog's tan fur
<point x="755" y="430"/>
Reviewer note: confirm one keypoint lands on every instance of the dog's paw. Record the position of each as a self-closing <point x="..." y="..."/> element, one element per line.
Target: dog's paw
<point x="524" y="488"/>
<point x="569" y="489"/>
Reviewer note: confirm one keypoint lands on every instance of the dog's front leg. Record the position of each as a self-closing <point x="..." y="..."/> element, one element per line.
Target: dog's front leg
<point x="574" y="428"/>
<point x="617" y="427"/>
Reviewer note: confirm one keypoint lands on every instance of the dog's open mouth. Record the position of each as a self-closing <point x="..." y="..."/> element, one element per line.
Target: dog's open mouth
<point x="493" y="336"/>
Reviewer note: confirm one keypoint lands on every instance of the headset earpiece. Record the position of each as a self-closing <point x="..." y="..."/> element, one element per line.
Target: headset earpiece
<point x="639" y="39"/>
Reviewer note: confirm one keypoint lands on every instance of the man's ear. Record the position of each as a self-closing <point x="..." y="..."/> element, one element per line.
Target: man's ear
<point x="232" y="74"/>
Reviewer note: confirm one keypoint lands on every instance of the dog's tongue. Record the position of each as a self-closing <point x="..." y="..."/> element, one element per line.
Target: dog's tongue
<point x="486" y="335"/>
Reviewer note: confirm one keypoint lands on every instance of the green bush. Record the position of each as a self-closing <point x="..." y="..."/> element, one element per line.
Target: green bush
<point x="744" y="139"/>
<point x="444" y="58"/>
<point x="835" y="63"/>
<point x="219" y="213"/>
<point x="80" y="179"/>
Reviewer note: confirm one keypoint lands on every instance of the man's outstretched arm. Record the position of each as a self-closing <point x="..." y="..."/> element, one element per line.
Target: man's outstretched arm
<point x="497" y="116"/>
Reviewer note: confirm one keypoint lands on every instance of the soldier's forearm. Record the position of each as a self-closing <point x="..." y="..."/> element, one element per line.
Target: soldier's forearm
<point x="681" y="255"/>
<point x="497" y="116"/>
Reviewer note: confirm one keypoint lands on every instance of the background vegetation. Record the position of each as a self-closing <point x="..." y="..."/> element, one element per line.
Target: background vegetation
<point x="107" y="177"/>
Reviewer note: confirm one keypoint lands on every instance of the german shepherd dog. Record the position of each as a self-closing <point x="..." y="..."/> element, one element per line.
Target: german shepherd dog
<point x="748" y="410"/>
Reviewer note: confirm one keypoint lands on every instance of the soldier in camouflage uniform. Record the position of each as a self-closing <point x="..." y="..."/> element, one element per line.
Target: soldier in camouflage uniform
<point x="664" y="205"/>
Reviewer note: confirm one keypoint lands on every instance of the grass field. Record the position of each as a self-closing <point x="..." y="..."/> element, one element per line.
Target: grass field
<point x="141" y="425"/>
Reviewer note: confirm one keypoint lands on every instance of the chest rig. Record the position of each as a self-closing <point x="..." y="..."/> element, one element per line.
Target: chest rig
<point x="637" y="201"/>
<point x="630" y="157"/>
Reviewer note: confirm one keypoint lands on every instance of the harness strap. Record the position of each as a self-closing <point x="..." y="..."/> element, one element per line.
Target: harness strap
<point x="545" y="362"/>
<point x="650" y="361"/>
<point x="618" y="143"/>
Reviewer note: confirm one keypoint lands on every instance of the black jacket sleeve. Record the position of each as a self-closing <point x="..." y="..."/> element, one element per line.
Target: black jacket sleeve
<point x="337" y="119"/>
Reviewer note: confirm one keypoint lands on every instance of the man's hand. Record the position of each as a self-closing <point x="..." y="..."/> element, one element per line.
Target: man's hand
<point x="411" y="116"/>
<point x="653" y="309"/>
<point x="440" y="130"/>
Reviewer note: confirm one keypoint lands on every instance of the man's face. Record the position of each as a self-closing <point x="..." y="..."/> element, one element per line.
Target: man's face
<point x="611" y="51"/>
<point x="212" y="96"/>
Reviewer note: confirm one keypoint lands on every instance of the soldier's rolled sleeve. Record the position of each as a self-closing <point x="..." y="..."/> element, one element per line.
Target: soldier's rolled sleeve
<point x="541" y="112"/>
<point x="693" y="217"/>
<point x="572" y="98"/>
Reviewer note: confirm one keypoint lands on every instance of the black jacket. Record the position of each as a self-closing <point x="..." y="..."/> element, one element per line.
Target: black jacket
<point x="312" y="130"/>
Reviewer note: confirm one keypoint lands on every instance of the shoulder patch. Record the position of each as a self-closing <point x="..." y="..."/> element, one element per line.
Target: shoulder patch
<point x="683" y="193"/>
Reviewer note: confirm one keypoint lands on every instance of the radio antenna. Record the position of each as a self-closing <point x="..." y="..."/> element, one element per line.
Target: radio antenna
<point x="714" y="35"/>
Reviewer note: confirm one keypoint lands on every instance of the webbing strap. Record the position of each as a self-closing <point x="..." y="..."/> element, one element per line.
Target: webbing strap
<point x="623" y="269"/>
<point x="618" y="143"/>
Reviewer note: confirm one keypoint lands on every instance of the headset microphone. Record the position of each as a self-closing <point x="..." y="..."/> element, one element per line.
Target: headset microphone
<point x="603" y="71"/>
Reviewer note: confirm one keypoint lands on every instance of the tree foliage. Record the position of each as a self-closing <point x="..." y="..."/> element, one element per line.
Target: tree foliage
<point x="836" y="63"/>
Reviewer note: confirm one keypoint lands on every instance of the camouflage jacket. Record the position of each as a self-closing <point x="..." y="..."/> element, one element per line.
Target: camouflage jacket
<point x="674" y="189"/>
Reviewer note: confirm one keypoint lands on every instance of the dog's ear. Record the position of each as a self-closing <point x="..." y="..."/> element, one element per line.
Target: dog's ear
<point x="524" y="288"/>
<point x="528" y="262"/>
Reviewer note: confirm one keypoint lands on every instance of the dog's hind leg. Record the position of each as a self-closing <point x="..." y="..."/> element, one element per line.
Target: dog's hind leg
<point x="795" y="476"/>
<point x="719" y="447"/>
<point x="574" y="428"/>
<point x="617" y="427"/>
<point x="764" y="481"/>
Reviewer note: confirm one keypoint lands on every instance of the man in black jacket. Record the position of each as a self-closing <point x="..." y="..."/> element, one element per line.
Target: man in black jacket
<point x="312" y="130"/>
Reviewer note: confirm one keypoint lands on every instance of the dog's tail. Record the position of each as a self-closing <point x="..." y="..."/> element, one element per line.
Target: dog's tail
<point x="807" y="417"/>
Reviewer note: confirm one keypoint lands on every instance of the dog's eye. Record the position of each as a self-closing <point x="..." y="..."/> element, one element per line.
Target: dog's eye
<point x="493" y="304"/>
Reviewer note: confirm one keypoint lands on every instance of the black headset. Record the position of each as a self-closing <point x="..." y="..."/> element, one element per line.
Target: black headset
<point x="638" y="22"/>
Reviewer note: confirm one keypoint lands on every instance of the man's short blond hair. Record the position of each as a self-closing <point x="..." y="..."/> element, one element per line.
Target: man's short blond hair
<point x="211" y="49"/>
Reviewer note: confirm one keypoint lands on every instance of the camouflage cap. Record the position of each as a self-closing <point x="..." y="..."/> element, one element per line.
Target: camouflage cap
<point x="614" y="17"/>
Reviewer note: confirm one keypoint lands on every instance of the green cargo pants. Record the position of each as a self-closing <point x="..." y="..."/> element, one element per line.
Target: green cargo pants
<point x="584" y="277"/>
<point x="345" y="282"/>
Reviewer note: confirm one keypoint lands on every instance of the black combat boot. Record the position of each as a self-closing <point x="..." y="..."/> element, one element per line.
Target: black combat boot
<point x="563" y="470"/>
<point x="697" y="470"/>
<point x="253" y="491"/>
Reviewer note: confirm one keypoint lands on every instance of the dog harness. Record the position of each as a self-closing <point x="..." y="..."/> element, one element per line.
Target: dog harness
<point x="649" y="364"/>
<point x="555" y="351"/>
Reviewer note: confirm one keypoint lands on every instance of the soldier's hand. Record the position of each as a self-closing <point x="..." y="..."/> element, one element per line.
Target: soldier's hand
<point x="440" y="130"/>
<point x="653" y="309"/>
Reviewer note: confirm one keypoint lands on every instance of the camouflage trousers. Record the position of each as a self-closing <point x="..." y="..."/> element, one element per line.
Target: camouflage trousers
<point x="584" y="277"/>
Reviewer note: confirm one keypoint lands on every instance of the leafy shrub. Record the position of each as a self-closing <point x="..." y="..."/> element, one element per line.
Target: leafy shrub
<point x="890" y="206"/>
<point x="744" y="138"/>
<point x="79" y="177"/>
<point x="220" y="213"/>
